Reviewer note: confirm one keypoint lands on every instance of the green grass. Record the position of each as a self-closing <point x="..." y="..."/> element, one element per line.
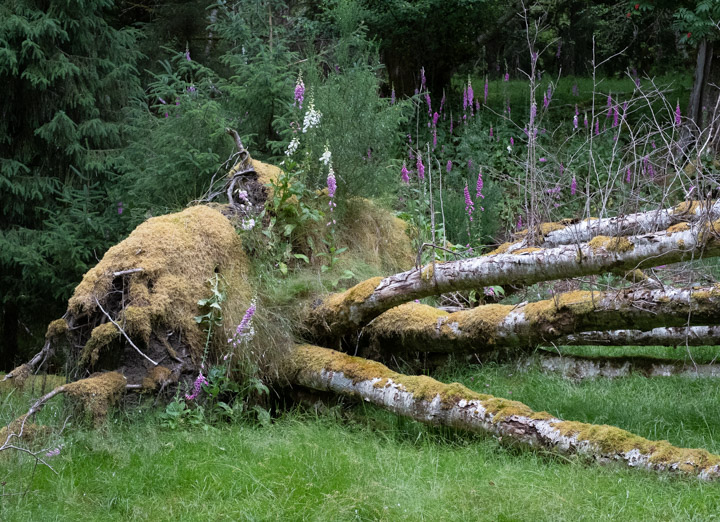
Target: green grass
<point x="366" y="464"/>
<point x="683" y="354"/>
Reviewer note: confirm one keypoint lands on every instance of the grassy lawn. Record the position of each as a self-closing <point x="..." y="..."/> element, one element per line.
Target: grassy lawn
<point x="366" y="464"/>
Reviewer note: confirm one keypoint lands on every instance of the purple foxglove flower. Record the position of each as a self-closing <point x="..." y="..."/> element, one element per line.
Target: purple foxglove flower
<point x="429" y="104"/>
<point x="678" y="121"/>
<point x="465" y="98"/>
<point x="162" y="101"/>
<point x="615" y="117"/>
<point x="120" y="207"/>
<point x="575" y="122"/>
<point x="549" y="93"/>
<point x="469" y="206"/>
<point x="546" y="102"/>
<point x="197" y="387"/>
<point x="628" y="178"/>
<point x="543" y="160"/>
<point x="491" y="131"/>
<point x="557" y="54"/>
<point x="299" y="92"/>
<point x="449" y="166"/>
<point x="479" y="186"/>
<point x="609" y="101"/>
<point x="470" y="95"/>
<point x="420" y="168"/>
<point x="436" y="116"/>
<point x="585" y="121"/>
<point x="187" y="55"/>
<point x="519" y="223"/>
<point x="507" y="77"/>
<point x="562" y="169"/>
<point x="405" y="174"/>
<point x="512" y="141"/>
<point x="331" y="183"/>
<point x="573" y="186"/>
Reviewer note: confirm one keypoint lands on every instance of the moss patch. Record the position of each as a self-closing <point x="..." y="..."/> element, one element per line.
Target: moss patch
<point x="501" y="249"/>
<point x="97" y="393"/>
<point x="611" y="244"/>
<point x="679" y="227"/>
<point x="56" y="328"/>
<point x="27" y="432"/>
<point x="377" y="236"/>
<point x="100" y="338"/>
<point x="158" y="377"/>
<point x="615" y="440"/>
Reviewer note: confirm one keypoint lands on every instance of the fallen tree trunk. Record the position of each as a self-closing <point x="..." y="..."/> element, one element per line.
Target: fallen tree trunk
<point x="673" y="336"/>
<point x="342" y="313"/>
<point x="419" y="327"/>
<point x="566" y="232"/>
<point x="429" y="401"/>
<point x="576" y="367"/>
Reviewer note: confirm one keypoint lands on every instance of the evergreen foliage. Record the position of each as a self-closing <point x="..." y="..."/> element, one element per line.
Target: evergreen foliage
<point x="67" y="74"/>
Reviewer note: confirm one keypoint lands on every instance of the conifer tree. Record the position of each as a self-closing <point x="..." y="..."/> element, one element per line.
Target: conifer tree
<point x="67" y="74"/>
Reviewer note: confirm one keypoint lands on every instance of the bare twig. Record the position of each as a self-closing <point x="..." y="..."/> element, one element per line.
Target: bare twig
<point x="124" y="334"/>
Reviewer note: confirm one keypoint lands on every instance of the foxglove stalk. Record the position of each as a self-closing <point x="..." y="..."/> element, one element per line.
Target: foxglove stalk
<point x="392" y="96"/>
<point x="470" y="95"/>
<point x="486" y="90"/>
<point x="615" y="116"/>
<point x="573" y="186"/>
<point x="678" y="121"/>
<point x="422" y="78"/>
<point x="420" y="167"/>
<point x="448" y="167"/>
<point x="533" y="114"/>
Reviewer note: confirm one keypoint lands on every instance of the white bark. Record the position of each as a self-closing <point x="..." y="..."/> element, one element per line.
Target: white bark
<point x="631" y="224"/>
<point x="355" y="307"/>
<point x="428" y="401"/>
<point x="419" y="327"/>
<point x="673" y="336"/>
<point x="612" y="367"/>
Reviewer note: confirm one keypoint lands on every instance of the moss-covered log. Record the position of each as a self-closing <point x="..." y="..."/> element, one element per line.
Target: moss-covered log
<point x="341" y="313"/>
<point x="419" y="327"/>
<point x="569" y="232"/>
<point x="672" y="336"/>
<point x="429" y="401"/>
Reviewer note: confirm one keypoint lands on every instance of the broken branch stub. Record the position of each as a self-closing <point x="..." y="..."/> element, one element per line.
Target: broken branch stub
<point x="426" y="400"/>
<point x="339" y="314"/>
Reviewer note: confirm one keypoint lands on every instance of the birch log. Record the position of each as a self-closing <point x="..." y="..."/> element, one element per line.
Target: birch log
<point x="673" y="336"/>
<point x="341" y="313"/>
<point x="419" y="327"/>
<point x="566" y="233"/>
<point x="429" y="401"/>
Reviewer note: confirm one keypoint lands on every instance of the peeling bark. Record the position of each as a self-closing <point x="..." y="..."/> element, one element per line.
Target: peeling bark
<point x="576" y="367"/>
<point x="426" y="400"/>
<point x="341" y="313"/>
<point x="419" y="327"/>
<point x="673" y="336"/>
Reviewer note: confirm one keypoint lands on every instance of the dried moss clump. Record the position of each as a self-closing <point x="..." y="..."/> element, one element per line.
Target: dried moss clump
<point x="25" y="430"/>
<point x="377" y="236"/>
<point x="680" y="227"/>
<point x="97" y="393"/>
<point x="158" y="377"/>
<point x="56" y="328"/>
<point x="611" y="244"/>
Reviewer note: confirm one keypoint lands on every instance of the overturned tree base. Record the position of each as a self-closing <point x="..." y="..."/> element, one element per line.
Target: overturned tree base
<point x="429" y="401"/>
